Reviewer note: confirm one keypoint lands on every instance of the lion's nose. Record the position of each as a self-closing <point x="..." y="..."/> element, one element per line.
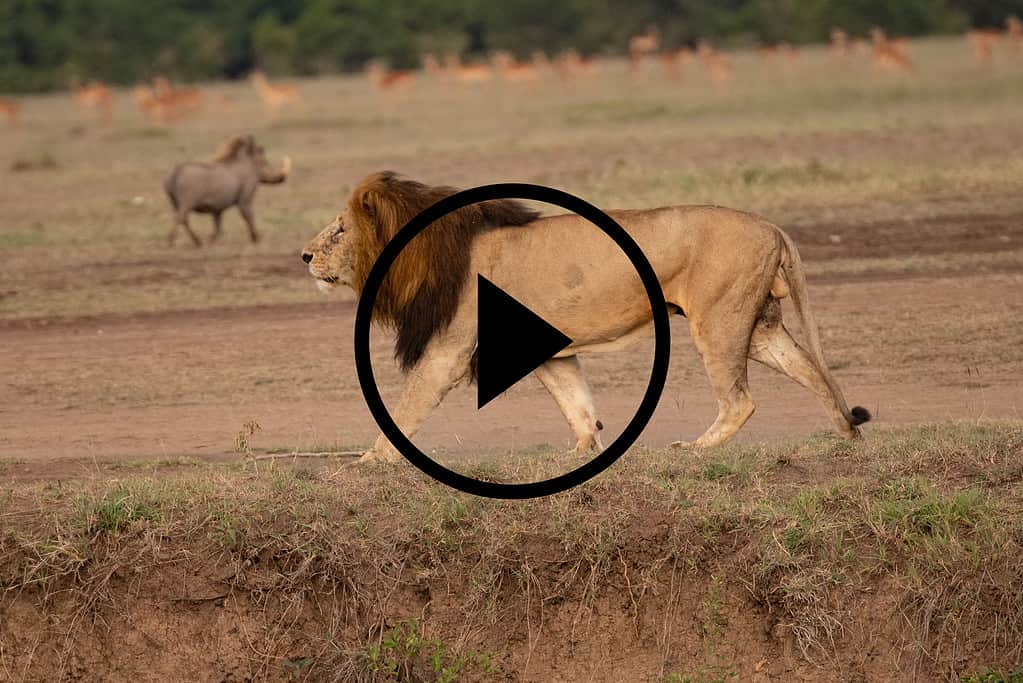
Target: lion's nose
<point x="306" y="256"/>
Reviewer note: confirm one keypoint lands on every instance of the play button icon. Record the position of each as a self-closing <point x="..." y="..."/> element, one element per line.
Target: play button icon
<point x="513" y="341"/>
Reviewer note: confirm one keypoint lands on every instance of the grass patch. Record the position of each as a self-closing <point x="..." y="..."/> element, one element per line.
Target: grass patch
<point x="116" y="510"/>
<point x="995" y="676"/>
<point x="403" y="654"/>
<point x="381" y="557"/>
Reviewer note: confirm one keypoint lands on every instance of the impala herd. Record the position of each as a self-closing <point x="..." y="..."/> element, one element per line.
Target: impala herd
<point x="162" y="102"/>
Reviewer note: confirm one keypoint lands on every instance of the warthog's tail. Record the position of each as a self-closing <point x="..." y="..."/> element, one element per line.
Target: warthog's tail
<point x="792" y="265"/>
<point x="170" y="184"/>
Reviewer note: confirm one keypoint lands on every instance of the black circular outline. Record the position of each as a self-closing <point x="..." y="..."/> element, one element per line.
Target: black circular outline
<point x="658" y="375"/>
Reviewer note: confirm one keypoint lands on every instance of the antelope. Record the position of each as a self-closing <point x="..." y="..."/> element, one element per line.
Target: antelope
<point x="890" y="53"/>
<point x="95" y="96"/>
<point x="274" y="96"/>
<point x="11" y="110"/>
<point x="674" y="60"/>
<point x="384" y="78"/>
<point x="984" y="42"/>
<point x="642" y="45"/>
<point x="151" y="105"/>
<point x="718" y="67"/>
<point x="468" y="73"/>
<point x="186" y="100"/>
<point x="839" y="42"/>
<point x="433" y="68"/>
<point x="570" y="65"/>
<point x="1014" y="31"/>
<point x="513" y="71"/>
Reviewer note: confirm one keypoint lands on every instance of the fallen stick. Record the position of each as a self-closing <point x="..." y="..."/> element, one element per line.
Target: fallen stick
<point x="308" y="454"/>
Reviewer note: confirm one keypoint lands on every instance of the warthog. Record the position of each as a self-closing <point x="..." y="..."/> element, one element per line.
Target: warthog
<point x="230" y="179"/>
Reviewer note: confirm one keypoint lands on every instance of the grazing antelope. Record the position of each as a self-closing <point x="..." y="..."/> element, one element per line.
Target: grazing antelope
<point x="163" y="103"/>
<point x="1014" y="31"/>
<point x="642" y="45"/>
<point x="468" y="74"/>
<point x="11" y="110"/>
<point x="984" y="42"/>
<point x="571" y="65"/>
<point x="185" y="99"/>
<point x="674" y="60"/>
<point x="839" y="42"/>
<point x="717" y="66"/>
<point x="513" y="71"/>
<point x="94" y="96"/>
<point x="890" y="53"/>
<point x="274" y="96"/>
<point x="433" y="68"/>
<point x="384" y="78"/>
<point x="153" y="107"/>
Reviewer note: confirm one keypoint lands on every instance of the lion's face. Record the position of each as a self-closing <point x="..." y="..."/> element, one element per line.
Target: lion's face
<point x="331" y="255"/>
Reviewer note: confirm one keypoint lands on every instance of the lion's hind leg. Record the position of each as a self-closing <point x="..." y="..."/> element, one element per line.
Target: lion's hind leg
<point x="563" y="378"/>
<point x="772" y="345"/>
<point x="724" y="353"/>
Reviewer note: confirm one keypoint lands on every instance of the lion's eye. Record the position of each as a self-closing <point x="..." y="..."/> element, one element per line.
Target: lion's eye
<point x="339" y="229"/>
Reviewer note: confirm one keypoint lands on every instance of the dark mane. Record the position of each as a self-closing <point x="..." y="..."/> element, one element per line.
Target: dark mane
<point x="420" y="294"/>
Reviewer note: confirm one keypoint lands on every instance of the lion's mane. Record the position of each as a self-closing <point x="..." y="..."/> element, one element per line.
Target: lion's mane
<point x="420" y="294"/>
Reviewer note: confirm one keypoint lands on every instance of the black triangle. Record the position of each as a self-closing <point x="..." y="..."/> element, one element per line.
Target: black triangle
<point x="513" y="341"/>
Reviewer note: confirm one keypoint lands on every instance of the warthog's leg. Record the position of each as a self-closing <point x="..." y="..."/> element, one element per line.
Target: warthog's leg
<point x="250" y="221"/>
<point x="563" y="378"/>
<point x="216" y="226"/>
<point x="773" y="346"/>
<point x="182" y="220"/>
<point x="440" y="369"/>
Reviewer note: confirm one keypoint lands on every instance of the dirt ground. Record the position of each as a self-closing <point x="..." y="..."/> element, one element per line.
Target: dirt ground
<point x="160" y="385"/>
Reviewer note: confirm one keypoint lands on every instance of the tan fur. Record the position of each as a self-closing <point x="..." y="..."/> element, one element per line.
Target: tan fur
<point x="275" y="96"/>
<point x="726" y="270"/>
<point x="95" y="96"/>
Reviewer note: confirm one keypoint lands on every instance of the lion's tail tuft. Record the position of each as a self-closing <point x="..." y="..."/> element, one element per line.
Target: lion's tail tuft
<point x="860" y="415"/>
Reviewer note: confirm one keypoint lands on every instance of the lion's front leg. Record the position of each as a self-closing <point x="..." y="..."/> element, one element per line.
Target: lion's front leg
<point x="442" y="367"/>
<point x="563" y="378"/>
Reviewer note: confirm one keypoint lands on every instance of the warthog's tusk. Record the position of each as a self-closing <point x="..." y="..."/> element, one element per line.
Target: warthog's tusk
<point x="286" y="169"/>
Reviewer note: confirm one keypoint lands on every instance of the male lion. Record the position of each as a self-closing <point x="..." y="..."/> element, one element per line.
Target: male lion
<point x="724" y="270"/>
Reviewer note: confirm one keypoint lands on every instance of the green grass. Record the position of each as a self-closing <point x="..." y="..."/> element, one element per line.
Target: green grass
<point x="403" y="654"/>
<point x="995" y="676"/>
<point x="116" y="510"/>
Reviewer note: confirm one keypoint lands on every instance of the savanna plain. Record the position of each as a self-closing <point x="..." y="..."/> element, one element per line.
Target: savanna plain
<point x="174" y="421"/>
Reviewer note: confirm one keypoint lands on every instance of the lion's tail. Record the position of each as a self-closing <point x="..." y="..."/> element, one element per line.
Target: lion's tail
<point x="792" y="265"/>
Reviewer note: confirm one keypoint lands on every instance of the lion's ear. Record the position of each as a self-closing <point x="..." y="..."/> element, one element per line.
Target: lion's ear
<point x="369" y="201"/>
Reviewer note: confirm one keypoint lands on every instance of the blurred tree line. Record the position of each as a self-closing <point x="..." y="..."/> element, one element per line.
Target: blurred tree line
<point x="43" y="43"/>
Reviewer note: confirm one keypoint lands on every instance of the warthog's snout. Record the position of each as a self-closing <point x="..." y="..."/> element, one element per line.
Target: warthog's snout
<point x="306" y="256"/>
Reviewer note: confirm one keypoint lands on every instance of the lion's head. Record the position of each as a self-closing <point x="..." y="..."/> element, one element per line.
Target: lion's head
<point x="421" y="291"/>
